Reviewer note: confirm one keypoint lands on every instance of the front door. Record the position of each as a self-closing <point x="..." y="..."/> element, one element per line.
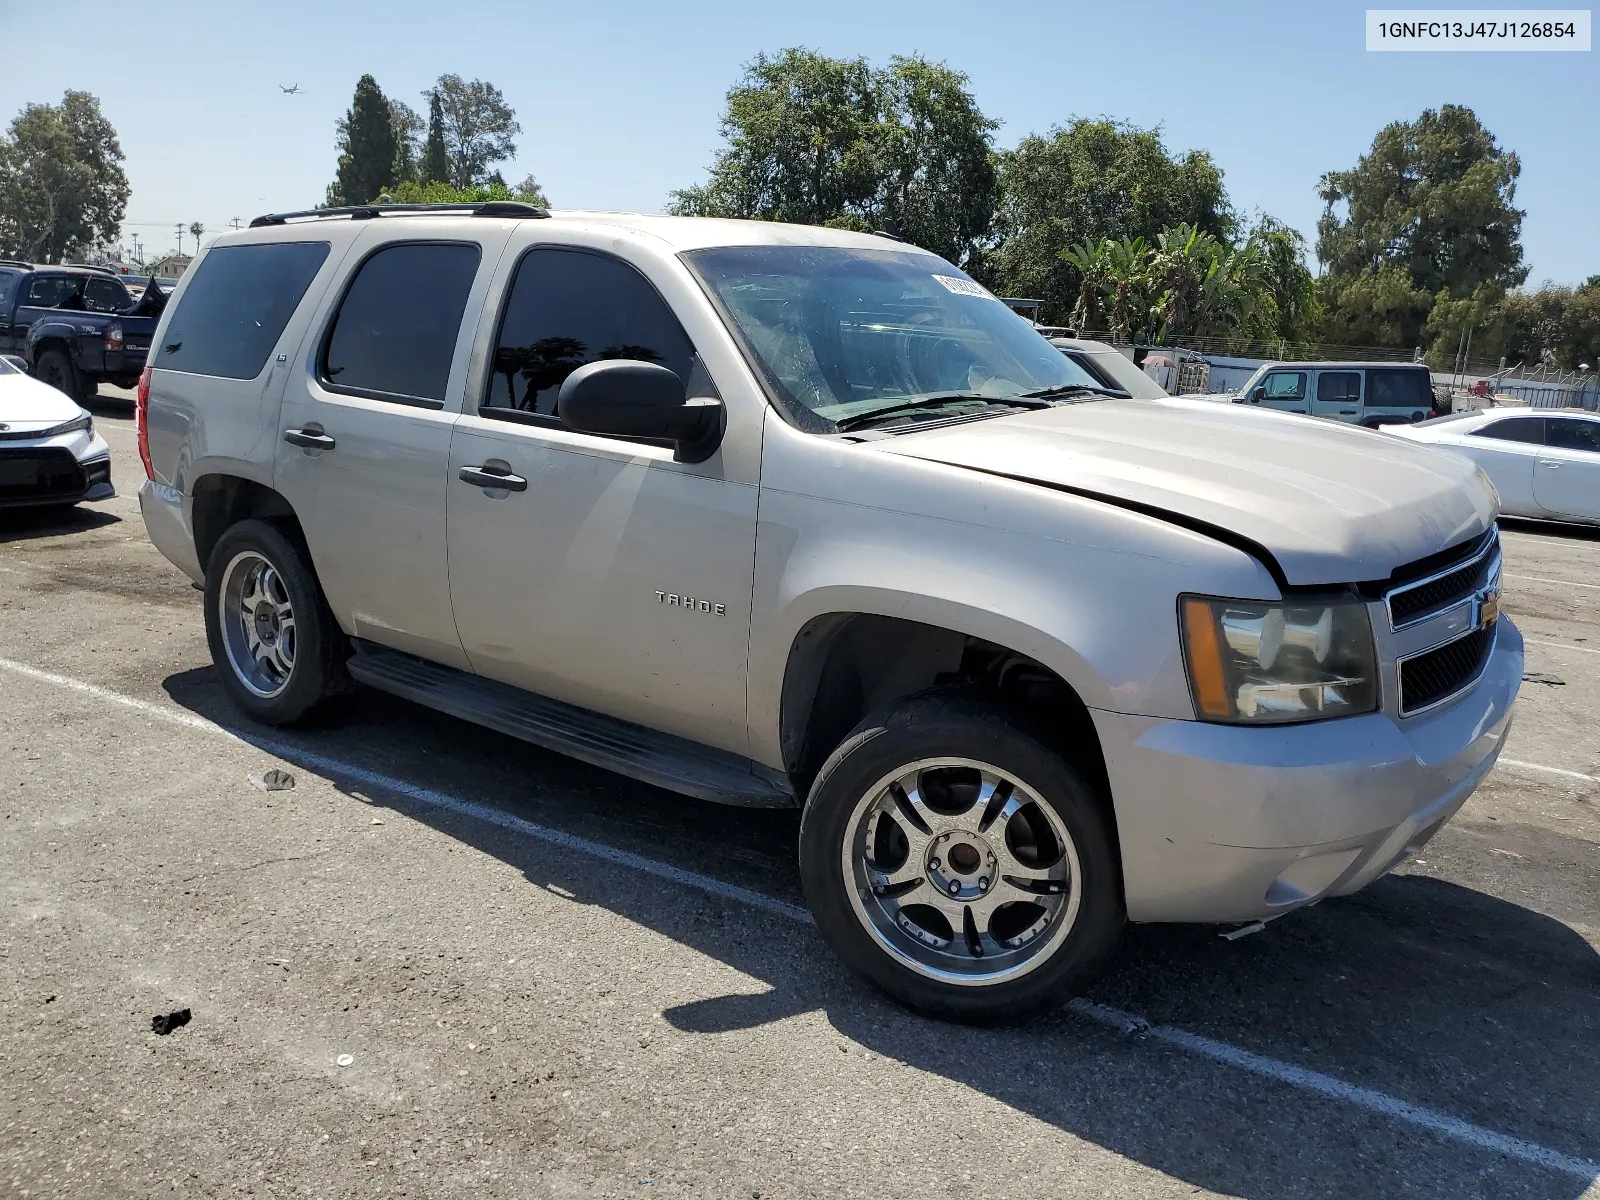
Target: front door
<point x="1282" y="390"/>
<point x="1338" y="395"/>
<point x="365" y="431"/>
<point x="1566" y="480"/>
<point x="603" y="573"/>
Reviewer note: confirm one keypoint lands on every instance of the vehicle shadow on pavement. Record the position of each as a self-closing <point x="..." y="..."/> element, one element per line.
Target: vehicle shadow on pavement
<point x="19" y="524"/>
<point x="1555" y="529"/>
<point x="1433" y="993"/>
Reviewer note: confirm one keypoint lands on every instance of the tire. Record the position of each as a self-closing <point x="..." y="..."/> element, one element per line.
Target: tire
<point x="57" y="369"/>
<point x="296" y="665"/>
<point x="1043" y="920"/>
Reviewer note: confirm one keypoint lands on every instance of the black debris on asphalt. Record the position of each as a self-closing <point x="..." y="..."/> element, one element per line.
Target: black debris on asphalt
<point x="164" y="1023"/>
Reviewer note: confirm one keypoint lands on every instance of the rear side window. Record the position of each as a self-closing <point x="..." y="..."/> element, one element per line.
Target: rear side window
<point x="48" y="291"/>
<point x="1515" y="429"/>
<point x="1339" y="387"/>
<point x="569" y="308"/>
<point x="395" y="333"/>
<point x="106" y="296"/>
<point x="1399" y="389"/>
<point x="8" y="281"/>
<point x="235" y="308"/>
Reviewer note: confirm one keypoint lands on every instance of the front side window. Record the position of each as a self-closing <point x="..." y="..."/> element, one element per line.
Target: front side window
<point x="1339" y="387"/>
<point x="48" y="291"/>
<point x="568" y="308"/>
<point x="839" y="332"/>
<point x="1286" y="385"/>
<point x="1515" y="429"/>
<point x="394" y="335"/>
<point x="236" y="306"/>
<point x="8" y="281"/>
<point x="1563" y="433"/>
<point x="1399" y="389"/>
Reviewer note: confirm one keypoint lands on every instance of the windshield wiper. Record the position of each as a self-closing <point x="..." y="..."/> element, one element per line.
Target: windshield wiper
<point x="1075" y="389"/>
<point x="860" y="420"/>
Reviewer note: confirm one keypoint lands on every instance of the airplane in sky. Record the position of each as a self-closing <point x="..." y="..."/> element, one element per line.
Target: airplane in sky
<point x="289" y="91"/>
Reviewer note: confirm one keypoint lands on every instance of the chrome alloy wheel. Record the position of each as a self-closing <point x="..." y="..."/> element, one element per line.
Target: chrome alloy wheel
<point x="961" y="872"/>
<point x="258" y="627"/>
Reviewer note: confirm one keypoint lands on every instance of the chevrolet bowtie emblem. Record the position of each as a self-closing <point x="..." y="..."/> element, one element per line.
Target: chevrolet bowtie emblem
<point x="1486" y="606"/>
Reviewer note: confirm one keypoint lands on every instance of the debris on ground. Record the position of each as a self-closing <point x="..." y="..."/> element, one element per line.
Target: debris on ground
<point x="1541" y="677"/>
<point x="272" y="781"/>
<point x="164" y="1023"/>
<point x="346" y="1060"/>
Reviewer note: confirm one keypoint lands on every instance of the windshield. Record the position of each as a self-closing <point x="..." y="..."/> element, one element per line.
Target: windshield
<point x="840" y="332"/>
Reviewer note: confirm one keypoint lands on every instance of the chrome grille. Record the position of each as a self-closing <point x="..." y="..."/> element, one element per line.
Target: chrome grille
<point x="1421" y="598"/>
<point x="1445" y="670"/>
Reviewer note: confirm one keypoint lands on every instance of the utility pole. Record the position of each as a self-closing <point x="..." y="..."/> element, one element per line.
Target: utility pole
<point x="179" y="228"/>
<point x="236" y="222"/>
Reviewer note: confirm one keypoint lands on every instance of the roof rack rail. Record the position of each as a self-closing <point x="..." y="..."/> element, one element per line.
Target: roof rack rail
<point x="16" y="262"/>
<point x="365" y="212"/>
<point x="90" y="267"/>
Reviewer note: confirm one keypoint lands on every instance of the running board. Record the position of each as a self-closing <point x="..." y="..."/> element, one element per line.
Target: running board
<point x="658" y="758"/>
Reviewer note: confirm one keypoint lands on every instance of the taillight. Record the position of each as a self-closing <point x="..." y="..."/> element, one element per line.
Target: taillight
<point x="141" y="420"/>
<point x="114" y="336"/>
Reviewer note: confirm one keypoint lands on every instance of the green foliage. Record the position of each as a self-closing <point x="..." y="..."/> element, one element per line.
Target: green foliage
<point x="62" y="187"/>
<point x="1427" y="212"/>
<point x="823" y="141"/>
<point x="367" y="147"/>
<point x="407" y="136"/>
<point x="434" y="166"/>
<point x="1556" y="326"/>
<point x="1089" y="181"/>
<point x="1291" y="290"/>
<point x="476" y="125"/>
<point x="439" y="192"/>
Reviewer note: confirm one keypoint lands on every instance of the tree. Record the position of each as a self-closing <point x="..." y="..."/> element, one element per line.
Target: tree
<point x="477" y="127"/>
<point x="437" y="192"/>
<point x="367" y="147"/>
<point x="1431" y="200"/>
<point x="1377" y="308"/>
<point x="195" y="230"/>
<point x="824" y="141"/>
<point x="434" y="166"/>
<point x="408" y="126"/>
<point x="1082" y="184"/>
<point x="1295" y="311"/>
<point x="62" y="187"/>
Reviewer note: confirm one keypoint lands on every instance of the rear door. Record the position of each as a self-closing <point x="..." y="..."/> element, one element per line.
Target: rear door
<point x="1566" y="479"/>
<point x="10" y="282"/>
<point x="1338" y="395"/>
<point x="364" y="432"/>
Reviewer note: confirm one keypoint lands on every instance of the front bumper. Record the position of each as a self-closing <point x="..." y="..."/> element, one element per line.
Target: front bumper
<point x="1231" y="823"/>
<point x="60" y="470"/>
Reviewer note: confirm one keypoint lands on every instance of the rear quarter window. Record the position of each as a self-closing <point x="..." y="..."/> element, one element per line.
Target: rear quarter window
<point x="1399" y="389"/>
<point x="235" y="308"/>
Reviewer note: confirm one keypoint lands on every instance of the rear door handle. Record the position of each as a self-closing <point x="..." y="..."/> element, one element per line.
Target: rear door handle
<point x="308" y="439"/>
<point x="485" y="477"/>
<point x="1545" y="462"/>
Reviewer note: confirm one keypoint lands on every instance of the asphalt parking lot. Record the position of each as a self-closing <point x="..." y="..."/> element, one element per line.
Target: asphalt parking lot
<point x="551" y="982"/>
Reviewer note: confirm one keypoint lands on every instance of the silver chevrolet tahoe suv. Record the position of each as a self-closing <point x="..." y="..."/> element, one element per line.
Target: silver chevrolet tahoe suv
<point x="790" y="516"/>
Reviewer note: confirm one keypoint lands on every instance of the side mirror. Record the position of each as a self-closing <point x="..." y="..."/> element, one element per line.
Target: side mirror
<point x="623" y="397"/>
<point x="1257" y="396"/>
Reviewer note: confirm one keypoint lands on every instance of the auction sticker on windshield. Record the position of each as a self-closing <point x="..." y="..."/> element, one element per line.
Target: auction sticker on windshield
<point x="964" y="287"/>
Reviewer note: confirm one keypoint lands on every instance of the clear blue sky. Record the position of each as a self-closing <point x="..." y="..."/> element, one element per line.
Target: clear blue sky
<point x="619" y="100"/>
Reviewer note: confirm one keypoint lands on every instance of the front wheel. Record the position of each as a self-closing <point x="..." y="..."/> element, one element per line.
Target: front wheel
<point x="273" y="639"/>
<point x="959" y="864"/>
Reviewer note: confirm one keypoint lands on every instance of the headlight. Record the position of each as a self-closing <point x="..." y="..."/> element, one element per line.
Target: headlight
<point x="1270" y="662"/>
<point x="72" y="426"/>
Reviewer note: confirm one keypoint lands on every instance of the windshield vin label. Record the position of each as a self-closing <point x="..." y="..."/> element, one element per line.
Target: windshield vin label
<point x="964" y="287"/>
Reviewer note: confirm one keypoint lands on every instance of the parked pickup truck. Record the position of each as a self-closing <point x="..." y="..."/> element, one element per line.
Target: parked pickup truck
<point x="792" y="516"/>
<point x="76" y="327"/>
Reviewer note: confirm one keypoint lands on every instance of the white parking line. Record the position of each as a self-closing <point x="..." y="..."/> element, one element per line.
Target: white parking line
<point x="1561" y="646"/>
<point x="1528" y="766"/>
<point x="1595" y="587"/>
<point x="1328" y="1086"/>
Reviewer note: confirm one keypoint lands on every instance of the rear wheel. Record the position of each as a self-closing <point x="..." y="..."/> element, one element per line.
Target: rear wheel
<point x="959" y="864"/>
<point x="273" y="638"/>
<point x="57" y="369"/>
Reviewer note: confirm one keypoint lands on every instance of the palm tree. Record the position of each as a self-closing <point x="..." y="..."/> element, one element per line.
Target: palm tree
<point x="1091" y="264"/>
<point x="195" y="230"/>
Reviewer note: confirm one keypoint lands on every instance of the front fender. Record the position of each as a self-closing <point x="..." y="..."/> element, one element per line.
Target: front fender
<point x="1084" y="588"/>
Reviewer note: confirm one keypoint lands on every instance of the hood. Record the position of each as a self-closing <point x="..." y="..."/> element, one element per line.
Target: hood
<point x="25" y="404"/>
<point x="1328" y="503"/>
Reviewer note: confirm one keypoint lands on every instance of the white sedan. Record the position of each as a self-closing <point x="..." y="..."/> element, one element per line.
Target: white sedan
<point x="49" y="451"/>
<point x="1545" y="463"/>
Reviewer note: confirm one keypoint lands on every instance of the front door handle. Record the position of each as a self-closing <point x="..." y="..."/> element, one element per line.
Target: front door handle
<point x="486" y="477"/>
<point x="1545" y="462"/>
<point x="1347" y="412"/>
<point x="308" y="439"/>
